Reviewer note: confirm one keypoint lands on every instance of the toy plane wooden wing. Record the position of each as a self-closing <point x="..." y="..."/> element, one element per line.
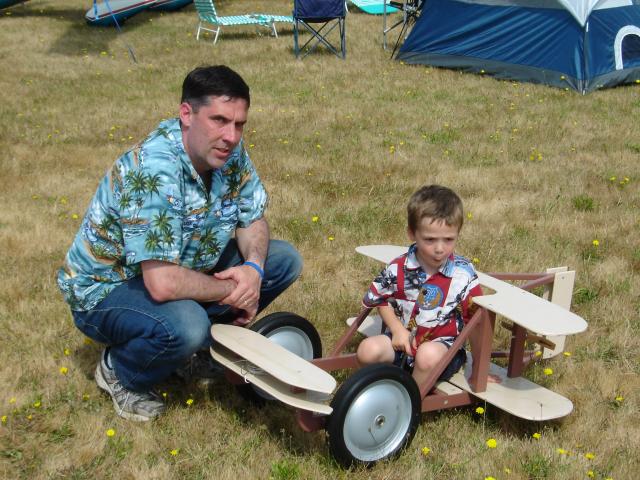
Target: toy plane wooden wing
<point x="528" y="310"/>
<point x="518" y="396"/>
<point x="272" y="368"/>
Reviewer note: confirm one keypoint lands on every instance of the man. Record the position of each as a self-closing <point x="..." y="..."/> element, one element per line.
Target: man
<point x="175" y="238"/>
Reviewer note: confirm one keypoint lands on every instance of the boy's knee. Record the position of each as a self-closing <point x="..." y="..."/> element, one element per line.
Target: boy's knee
<point x="372" y="350"/>
<point x="428" y="355"/>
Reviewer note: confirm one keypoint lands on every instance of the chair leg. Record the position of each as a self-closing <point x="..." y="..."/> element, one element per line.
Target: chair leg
<point x="198" y="32"/>
<point x="217" y="33"/>
<point x="296" y="48"/>
<point x="273" y="29"/>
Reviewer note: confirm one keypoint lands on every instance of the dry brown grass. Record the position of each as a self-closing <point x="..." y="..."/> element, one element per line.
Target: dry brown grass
<point x="347" y="141"/>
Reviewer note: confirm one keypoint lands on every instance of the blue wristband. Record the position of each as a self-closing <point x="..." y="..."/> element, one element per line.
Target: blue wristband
<point x="256" y="267"/>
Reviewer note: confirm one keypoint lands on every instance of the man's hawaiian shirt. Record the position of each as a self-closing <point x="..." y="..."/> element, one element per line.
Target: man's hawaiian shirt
<point x="152" y="205"/>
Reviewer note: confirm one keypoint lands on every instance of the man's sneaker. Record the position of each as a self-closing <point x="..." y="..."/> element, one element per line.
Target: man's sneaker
<point x="200" y="367"/>
<point x="130" y="405"/>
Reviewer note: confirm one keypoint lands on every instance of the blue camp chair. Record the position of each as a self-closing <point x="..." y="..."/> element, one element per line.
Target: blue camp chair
<point x="319" y="18"/>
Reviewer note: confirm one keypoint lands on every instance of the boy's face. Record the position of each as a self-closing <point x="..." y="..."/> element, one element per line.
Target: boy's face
<point x="435" y="242"/>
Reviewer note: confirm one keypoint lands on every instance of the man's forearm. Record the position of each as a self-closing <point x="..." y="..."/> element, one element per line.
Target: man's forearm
<point x="167" y="281"/>
<point x="253" y="241"/>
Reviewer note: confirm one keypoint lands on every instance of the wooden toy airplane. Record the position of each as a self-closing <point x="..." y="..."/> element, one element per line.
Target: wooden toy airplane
<point x="374" y="414"/>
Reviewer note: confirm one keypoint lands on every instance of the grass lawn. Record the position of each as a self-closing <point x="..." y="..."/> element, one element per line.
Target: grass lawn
<point x="548" y="177"/>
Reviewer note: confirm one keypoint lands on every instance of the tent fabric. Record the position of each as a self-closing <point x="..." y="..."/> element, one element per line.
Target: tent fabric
<point x="538" y="41"/>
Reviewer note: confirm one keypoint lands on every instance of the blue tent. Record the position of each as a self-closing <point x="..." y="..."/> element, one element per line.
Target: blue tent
<point x="582" y="44"/>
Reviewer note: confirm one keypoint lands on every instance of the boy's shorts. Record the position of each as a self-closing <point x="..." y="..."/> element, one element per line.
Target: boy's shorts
<point x="459" y="359"/>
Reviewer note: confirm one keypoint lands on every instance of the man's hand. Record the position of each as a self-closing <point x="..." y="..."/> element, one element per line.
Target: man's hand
<point x="246" y="294"/>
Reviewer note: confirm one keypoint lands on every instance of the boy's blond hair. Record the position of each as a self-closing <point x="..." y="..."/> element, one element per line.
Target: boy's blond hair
<point x="437" y="203"/>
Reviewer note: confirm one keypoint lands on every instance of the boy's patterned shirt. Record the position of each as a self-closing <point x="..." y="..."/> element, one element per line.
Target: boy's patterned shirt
<point x="152" y="205"/>
<point x="438" y="305"/>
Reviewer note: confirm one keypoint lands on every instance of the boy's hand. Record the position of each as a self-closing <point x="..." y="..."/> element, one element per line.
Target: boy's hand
<point x="401" y="341"/>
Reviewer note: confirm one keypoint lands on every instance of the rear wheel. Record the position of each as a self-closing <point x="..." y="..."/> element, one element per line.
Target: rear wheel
<point x="376" y="413"/>
<point x="290" y="331"/>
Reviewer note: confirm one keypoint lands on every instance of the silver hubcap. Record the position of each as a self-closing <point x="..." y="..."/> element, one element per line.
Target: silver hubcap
<point x="378" y="420"/>
<point x="294" y="340"/>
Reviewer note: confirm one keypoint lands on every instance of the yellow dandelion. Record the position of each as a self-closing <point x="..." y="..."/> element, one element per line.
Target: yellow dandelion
<point x="63" y="200"/>
<point x="64" y="370"/>
<point x="489" y="478"/>
<point x="315" y="219"/>
<point x="538" y="353"/>
<point x="85" y="396"/>
<point x="492" y="443"/>
<point x="548" y="371"/>
<point x="318" y="146"/>
<point x="479" y="410"/>
<point x="469" y="215"/>
<point x="3" y="419"/>
<point x="566" y="354"/>
<point x="37" y="404"/>
<point x="612" y="179"/>
<point x="589" y="456"/>
<point x="29" y="417"/>
<point x="189" y="401"/>
<point x="561" y="451"/>
<point x="537" y="435"/>
<point x="619" y="398"/>
<point x="331" y="238"/>
<point x="164" y="394"/>
<point x="475" y="260"/>
<point x="111" y="432"/>
<point x="590" y="474"/>
<point x="595" y="243"/>
<point x="67" y="352"/>
<point x="174" y="452"/>
<point x="12" y="400"/>
<point x="507" y="470"/>
<point x="251" y="145"/>
<point x="35" y="197"/>
<point x="425" y="451"/>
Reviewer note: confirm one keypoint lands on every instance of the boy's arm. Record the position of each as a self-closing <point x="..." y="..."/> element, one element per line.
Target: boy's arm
<point x="400" y="336"/>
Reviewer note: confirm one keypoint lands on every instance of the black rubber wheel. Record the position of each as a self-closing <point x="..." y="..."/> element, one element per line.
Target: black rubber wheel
<point x="291" y="331"/>
<point x="376" y="413"/>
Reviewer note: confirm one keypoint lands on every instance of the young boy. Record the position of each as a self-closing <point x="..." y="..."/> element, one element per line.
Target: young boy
<point x="424" y="296"/>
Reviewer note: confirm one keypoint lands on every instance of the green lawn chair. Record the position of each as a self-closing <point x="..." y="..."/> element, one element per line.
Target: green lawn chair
<point x="207" y="14"/>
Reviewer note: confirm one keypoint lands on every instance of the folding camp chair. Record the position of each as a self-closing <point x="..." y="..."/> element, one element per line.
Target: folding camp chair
<point x="410" y="9"/>
<point x="319" y="18"/>
<point x="208" y="15"/>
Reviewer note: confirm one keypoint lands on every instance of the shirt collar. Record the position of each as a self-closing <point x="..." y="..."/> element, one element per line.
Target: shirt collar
<point x="412" y="262"/>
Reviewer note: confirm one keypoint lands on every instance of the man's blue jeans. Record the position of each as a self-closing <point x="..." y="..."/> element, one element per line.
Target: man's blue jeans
<point x="149" y="340"/>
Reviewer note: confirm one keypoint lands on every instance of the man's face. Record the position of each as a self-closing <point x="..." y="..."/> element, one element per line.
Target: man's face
<point x="435" y="242"/>
<point x="210" y="134"/>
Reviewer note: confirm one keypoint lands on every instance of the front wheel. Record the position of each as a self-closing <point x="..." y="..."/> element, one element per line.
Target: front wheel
<point x="291" y="331"/>
<point x="376" y="413"/>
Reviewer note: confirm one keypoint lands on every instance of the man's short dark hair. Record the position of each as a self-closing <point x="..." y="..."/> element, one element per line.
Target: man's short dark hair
<point x="215" y="80"/>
